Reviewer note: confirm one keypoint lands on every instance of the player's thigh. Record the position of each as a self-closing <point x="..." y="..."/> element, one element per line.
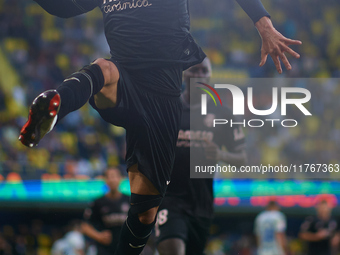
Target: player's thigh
<point x="198" y="234"/>
<point x="171" y="232"/>
<point x="139" y="183"/>
<point x="171" y="246"/>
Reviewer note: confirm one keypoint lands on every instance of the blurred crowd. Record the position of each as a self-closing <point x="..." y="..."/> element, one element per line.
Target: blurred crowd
<point x="41" y="237"/>
<point x="34" y="238"/>
<point x="245" y="244"/>
<point x="42" y="50"/>
<point x="26" y="240"/>
<point x="231" y="41"/>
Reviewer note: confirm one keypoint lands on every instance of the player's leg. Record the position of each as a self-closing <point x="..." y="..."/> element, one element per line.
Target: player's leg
<point x="99" y="79"/>
<point x="151" y="120"/>
<point x="171" y="230"/>
<point x="171" y="246"/>
<point x="73" y="93"/>
<point x="198" y="235"/>
<point x="145" y="200"/>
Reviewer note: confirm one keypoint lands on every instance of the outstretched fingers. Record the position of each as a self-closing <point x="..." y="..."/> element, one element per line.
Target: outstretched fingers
<point x="290" y="51"/>
<point x="277" y="63"/>
<point x="285" y="61"/>
<point x="288" y="41"/>
<point x="264" y="57"/>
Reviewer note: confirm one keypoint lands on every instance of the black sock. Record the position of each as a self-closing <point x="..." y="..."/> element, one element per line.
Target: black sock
<point x="76" y="90"/>
<point x="133" y="236"/>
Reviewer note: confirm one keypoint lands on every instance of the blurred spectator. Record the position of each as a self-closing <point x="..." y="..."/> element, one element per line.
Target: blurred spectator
<point x="73" y="243"/>
<point x="106" y="215"/>
<point x="5" y="248"/>
<point x="270" y="230"/>
<point x="320" y="232"/>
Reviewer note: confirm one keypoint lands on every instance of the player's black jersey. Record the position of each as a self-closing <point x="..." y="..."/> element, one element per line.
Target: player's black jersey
<point x="314" y="225"/>
<point x="195" y="196"/>
<point x="141" y="33"/>
<point x="149" y="33"/>
<point x="108" y="214"/>
<point x="146" y="33"/>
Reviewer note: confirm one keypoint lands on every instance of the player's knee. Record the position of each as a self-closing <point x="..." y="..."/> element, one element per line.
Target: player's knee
<point x="172" y="246"/>
<point x="148" y="217"/>
<point x="145" y="207"/>
<point x="142" y="214"/>
<point x="109" y="70"/>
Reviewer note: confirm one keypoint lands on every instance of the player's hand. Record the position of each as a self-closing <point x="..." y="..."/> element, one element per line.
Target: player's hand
<point x="104" y="237"/>
<point x="275" y="44"/>
<point x="211" y="151"/>
<point x="322" y="234"/>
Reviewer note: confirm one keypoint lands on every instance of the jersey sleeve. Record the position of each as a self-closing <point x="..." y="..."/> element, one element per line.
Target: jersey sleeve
<point x="254" y="9"/>
<point x="67" y="8"/>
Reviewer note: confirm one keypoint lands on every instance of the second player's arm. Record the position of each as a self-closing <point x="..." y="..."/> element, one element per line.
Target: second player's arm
<point x="313" y="237"/>
<point x="67" y="8"/>
<point x="306" y="233"/>
<point x="104" y="237"/>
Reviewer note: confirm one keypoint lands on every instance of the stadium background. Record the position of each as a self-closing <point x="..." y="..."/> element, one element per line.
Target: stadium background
<point x="43" y="188"/>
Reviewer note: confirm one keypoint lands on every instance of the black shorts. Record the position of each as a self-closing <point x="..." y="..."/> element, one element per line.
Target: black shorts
<point x="192" y="230"/>
<point x="149" y="108"/>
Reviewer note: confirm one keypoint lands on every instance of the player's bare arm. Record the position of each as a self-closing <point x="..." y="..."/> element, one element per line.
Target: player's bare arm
<point x="103" y="237"/>
<point x="314" y="237"/>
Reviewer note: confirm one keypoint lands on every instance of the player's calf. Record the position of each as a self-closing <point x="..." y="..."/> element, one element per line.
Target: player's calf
<point x="76" y="90"/>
